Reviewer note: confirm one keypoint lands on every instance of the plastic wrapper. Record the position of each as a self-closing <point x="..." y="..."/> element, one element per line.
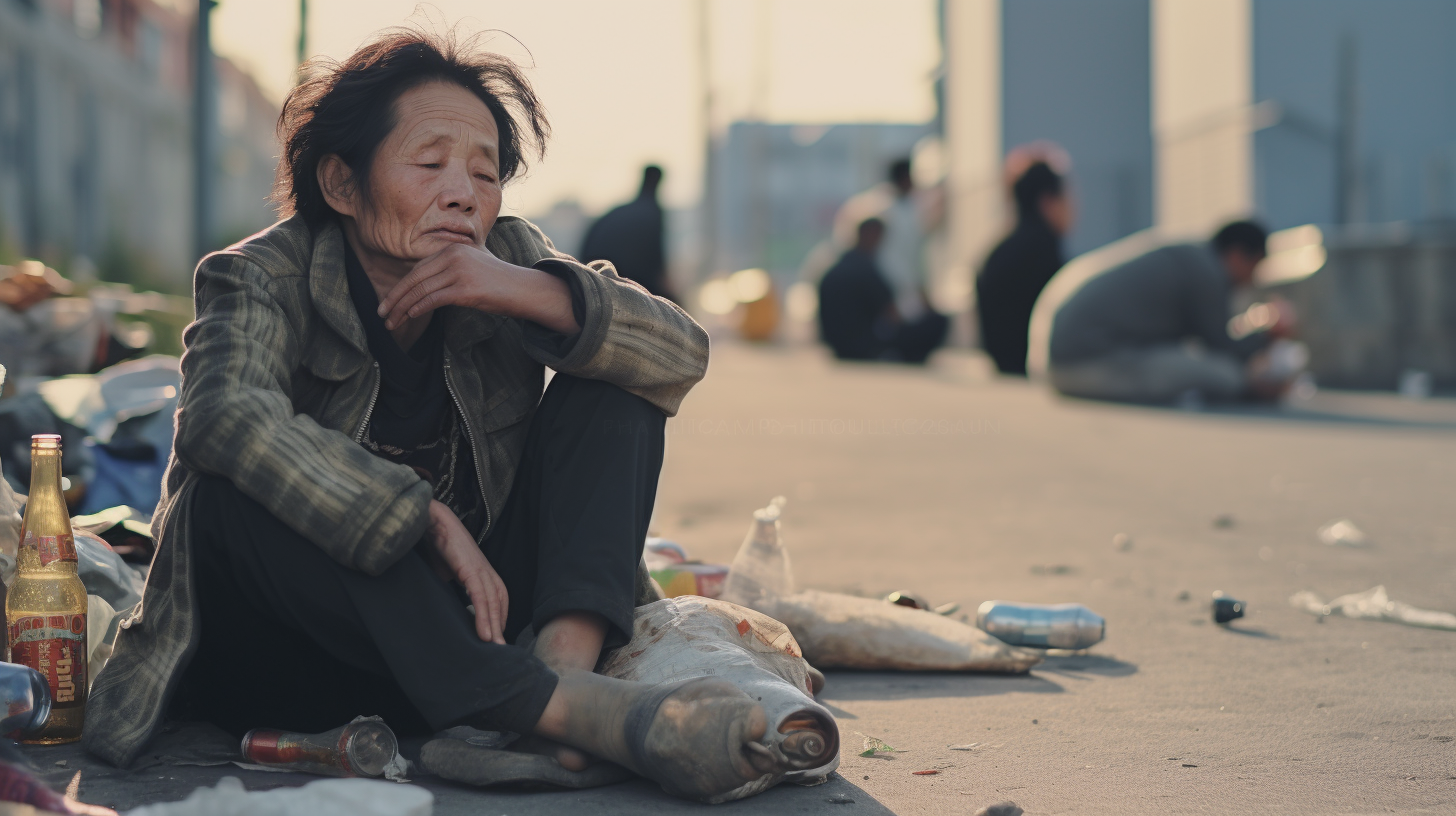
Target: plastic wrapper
<point x="1374" y="604"/>
<point x="844" y="631"/>
<point x="326" y="797"/>
<point x="105" y="574"/>
<point x="690" y="637"/>
<point x="705" y="580"/>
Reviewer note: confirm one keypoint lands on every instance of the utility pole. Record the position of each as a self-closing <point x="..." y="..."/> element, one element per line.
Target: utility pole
<point x="302" y="36"/>
<point x="709" y="207"/>
<point x="204" y="117"/>
<point x="1348" y="206"/>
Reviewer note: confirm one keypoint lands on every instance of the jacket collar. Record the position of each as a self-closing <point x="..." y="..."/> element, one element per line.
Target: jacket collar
<point x="328" y="287"/>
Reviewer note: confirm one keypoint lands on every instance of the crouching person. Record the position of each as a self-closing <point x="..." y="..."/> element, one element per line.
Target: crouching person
<point x="363" y="449"/>
<point x="1155" y="328"/>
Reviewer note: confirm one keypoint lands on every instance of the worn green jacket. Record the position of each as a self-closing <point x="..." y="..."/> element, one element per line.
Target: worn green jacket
<point x="277" y="384"/>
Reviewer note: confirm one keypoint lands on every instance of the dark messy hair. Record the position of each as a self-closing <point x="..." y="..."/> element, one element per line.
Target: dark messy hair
<point x="348" y="109"/>
<point x="1038" y="182"/>
<point x="1247" y="236"/>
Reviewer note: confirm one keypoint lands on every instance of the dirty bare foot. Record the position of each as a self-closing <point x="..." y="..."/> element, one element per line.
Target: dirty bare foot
<point x="570" y="758"/>
<point x="698" y="739"/>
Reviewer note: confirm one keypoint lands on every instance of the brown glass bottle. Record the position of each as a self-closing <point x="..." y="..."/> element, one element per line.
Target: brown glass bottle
<point x="45" y="610"/>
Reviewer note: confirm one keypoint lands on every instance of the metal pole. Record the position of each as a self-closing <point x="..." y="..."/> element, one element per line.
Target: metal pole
<point x="302" y="35"/>
<point x="1347" y="149"/>
<point x="203" y="131"/>
<point x="709" y="261"/>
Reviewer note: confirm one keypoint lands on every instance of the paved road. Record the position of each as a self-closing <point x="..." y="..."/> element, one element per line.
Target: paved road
<point x="963" y="488"/>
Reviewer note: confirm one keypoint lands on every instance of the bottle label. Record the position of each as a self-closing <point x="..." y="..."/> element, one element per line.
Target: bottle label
<point x="52" y="548"/>
<point x="55" y="646"/>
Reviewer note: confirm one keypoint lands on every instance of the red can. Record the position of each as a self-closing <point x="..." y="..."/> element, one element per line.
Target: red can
<point x="365" y="747"/>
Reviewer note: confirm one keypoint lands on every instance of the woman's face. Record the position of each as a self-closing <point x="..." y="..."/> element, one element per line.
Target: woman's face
<point x="435" y="179"/>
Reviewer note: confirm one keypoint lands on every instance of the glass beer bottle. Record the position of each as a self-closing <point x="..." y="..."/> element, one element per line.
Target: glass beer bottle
<point x="45" y="609"/>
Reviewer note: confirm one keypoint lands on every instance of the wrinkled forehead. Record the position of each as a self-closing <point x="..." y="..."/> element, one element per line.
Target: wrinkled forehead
<point x="441" y="114"/>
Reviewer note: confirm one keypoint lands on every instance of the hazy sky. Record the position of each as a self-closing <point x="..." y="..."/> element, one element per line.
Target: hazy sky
<point x="620" y="79"/>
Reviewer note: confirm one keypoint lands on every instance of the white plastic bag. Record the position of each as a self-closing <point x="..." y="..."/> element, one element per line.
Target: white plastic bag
<point x="326" y="797"/>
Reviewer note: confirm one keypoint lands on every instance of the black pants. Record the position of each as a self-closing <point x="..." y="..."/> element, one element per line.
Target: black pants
<point x="291" y="639"/>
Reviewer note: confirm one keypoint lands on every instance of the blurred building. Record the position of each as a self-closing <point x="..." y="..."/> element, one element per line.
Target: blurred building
<point x="95" y="138"/>
<point x="1305" y="111"/>
<point x="1186" y="114"/>
<point x="778" y="186"/>
<point x="1074" y="72"/>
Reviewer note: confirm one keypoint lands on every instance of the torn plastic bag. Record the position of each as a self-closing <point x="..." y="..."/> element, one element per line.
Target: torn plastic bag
<point x="1374" y="604"/>
<point x="126" y="529"/>
<point x="9" y="529"/>
<point x="844" y="631"/>
<point x="105" y="574"/>
<point x="326" y="797"/>
<point x="689" y="637"/>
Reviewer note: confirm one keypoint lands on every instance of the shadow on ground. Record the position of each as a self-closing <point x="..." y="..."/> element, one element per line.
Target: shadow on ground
<point x="1077" y="666"/>
<point x="1339" y="408"/>
<point x="847" y="685"/>
<point x="102" y="784"/>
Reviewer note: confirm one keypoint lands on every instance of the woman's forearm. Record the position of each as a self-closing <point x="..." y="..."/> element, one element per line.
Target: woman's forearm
<point x="530" y="294"/>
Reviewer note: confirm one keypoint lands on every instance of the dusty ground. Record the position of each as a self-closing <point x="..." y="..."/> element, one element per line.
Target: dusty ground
<point x="964" y="488"/>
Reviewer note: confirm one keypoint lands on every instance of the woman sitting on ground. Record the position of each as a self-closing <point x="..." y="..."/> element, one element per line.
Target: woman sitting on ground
<point x="363" y="448"/>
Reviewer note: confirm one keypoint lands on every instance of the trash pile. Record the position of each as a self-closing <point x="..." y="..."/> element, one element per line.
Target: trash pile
<point x="845" y="631"/>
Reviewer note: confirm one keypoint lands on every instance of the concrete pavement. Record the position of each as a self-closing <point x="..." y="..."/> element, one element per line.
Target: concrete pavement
<point x="961" y="487"/>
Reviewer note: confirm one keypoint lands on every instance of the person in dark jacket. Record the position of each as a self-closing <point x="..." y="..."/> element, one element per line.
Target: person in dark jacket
<point x="1019" y="267"/>
<point x="1156" y="328"/>
<point x="857" y="314"/>
<point x="371" y="505"/>
<point x="631" y="238"/>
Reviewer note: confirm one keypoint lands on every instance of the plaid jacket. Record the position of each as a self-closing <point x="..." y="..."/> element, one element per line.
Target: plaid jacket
<point x="277" y="382"/>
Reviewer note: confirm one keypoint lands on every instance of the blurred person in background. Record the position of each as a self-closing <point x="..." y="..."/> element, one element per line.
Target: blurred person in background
<point x="631" y="238"/>
<point x="1156" y="328"/>
<point x="1019" y="267"/>
<point x="371" y="506"/>
<point x="902" y="255"/>
<point x="858" y="316"/>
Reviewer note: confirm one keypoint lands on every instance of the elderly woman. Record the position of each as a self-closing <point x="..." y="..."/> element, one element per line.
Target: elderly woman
<point x="363" y="448"/>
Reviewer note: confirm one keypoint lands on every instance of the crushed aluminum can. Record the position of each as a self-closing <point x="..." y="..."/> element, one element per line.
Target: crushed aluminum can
<point x="1226" y="609"/>
<point x="1045" y="626"/>
<point x="365" y="747"/>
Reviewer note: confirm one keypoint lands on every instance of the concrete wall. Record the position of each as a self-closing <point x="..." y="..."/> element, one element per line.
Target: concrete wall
<point x="1078" y="73"/>
<point x="780" y="186"/>
<point x="1403" y="123"/>
<point x="1202" y="114"/>
<point x="975" y="206"/>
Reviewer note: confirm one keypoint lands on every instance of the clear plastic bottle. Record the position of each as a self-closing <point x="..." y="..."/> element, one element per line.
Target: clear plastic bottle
<point x="761" y="572"/>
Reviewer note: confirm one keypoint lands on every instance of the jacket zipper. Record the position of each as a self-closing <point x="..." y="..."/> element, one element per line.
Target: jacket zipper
<point x="474" y="455"/>
<point x="369" y="412"/>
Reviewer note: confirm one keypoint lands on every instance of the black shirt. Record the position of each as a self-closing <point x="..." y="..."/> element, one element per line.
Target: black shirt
<point x="415" y="421"/>
<point x="631" y="237"/>
<point x="1008" y="286"/>
<point x="853" y="304"/>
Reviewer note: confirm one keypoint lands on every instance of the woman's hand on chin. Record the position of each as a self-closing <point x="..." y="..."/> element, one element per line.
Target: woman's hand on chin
<point x="468" y="565"/>
<point x="469" y="276"/>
